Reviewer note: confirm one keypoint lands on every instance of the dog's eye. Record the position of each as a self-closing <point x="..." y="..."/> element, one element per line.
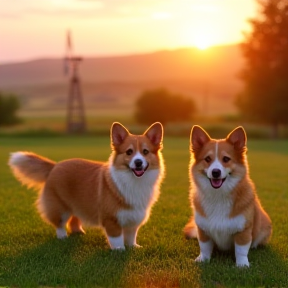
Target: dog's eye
<point x="145" y="151"/>
<point x="208" y="159"/>
<point x="226" y="159"/>
<point x="129" y="152"/>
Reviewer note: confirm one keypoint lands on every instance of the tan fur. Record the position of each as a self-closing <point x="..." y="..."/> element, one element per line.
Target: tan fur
<point x="77" y="190"/>
<point x="190" y="229"/>
<point x="84" y="189"/>
<point x="243" y="197"/>
<point x="32" y="170"/>
<point x="202" y="236"/>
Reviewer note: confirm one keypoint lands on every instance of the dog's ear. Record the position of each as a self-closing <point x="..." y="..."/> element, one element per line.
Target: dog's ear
<point x="118" y="134"/>
<point x="198" y="137"/>
<point x="155" y="134"/>
<point x="237" y="138"/>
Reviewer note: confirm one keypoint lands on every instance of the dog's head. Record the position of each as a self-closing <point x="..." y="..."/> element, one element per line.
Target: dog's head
<point x="136" y="153"/>
<point x="218" y="163"/>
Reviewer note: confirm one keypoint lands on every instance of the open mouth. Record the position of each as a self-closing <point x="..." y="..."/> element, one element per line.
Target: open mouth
<point x="216" y="183"/>
<point x="139" y="171"/>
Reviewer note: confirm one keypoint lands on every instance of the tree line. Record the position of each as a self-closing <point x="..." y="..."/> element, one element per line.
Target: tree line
<point x="265" y="74"/>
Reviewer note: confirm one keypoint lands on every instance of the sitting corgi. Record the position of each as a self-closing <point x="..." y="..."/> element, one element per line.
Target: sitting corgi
<point x="227" y="211"/>
<point x="117" y="195"/>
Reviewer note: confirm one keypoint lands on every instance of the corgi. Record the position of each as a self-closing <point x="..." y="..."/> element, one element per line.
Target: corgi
<point x="227" y="211"/>
<point x="116" y="195"/>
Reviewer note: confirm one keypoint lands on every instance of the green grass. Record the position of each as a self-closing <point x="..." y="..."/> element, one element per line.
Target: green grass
<point x="98" y="124"/>
<point x="31" y="256"/>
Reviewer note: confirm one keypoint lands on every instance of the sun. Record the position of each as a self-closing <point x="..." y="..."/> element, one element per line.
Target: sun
<point x="203" y="35"/>
<point x="202" y="41"/>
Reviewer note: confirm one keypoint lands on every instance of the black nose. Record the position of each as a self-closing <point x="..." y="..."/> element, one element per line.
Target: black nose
<point x="216" y="173"/>
<point x="138" y="163"/>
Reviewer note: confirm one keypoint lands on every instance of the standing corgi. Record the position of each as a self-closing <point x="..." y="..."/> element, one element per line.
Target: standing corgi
<point x="117" y="195"/>
<point x="227" y="211"/>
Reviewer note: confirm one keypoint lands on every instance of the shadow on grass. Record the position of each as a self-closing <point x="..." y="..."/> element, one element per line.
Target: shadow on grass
<point x="267" y="269"/>
<point x="86" y="261"/>
<point x="73" y="262"/>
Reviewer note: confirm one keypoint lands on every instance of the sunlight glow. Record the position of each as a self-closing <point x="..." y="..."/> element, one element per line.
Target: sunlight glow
<point x="203" y="38"/>
<point x="161" y="15"/>
<point x="68" y="4"/>
<point x="115" y="27"/>
<point x="202" y="42"/>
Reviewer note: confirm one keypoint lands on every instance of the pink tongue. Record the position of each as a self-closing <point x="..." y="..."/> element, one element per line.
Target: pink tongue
<point x="216" y="183"/>
<point x="138" y="173"/>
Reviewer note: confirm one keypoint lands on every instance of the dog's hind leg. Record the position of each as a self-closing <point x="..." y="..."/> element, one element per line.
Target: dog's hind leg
<point x="262" y="232"/>
<point x="190" y="229"/>
<point x="54" y="211"/>
<point x="74" y="225"/>
<point x="61" y="228"/>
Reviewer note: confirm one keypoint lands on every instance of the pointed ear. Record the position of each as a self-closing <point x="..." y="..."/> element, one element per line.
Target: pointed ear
<point x="118" y="134"/>
<point x="155" y="134"/>
<point x="237" y="138"/>
<point x="198" y="138"/>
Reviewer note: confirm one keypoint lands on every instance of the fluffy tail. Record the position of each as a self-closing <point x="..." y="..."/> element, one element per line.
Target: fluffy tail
<point x="30" y="169"/>
<point x="190" y="229"/>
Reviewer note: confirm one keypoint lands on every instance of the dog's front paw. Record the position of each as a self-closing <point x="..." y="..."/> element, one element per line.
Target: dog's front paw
<point x="242" y="262"/>
<point x="61" y="233"/>
<point x="119" y="248"/>
<point x="202" y="258"/>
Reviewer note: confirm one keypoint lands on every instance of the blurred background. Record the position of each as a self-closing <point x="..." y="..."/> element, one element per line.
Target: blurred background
<point x="76" y="66"/>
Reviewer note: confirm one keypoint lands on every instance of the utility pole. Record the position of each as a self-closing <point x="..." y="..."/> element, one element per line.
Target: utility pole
<point x="76" y="122"/>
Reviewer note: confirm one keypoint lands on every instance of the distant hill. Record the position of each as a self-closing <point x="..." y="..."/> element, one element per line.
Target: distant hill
<point x="209" y="77"/>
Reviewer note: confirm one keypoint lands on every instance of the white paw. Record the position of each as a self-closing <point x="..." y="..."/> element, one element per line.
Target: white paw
<point x="201" y="258"/>
<point x="241" y="253"/>
<point x="119" y="248"/>
<point x="116" y="243"/>
<point x="61" y="233"/>
<point x="242" y="262"/>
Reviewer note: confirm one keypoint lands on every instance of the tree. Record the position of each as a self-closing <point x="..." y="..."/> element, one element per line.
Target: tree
<point x="265" y="49"/>
<point x="9" y="105"/>
<point x="163" y="106"/>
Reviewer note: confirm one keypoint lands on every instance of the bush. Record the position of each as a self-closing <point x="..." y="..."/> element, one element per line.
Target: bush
<point x="163" y="106"/>
<point x="9" y="105"/>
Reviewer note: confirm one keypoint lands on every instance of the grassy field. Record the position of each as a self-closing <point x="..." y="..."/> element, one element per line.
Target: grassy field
<point x="31" y="256"/>
<point x="49" y="124"/>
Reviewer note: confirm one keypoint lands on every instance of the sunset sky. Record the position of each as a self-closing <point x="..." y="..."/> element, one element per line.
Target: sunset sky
<point x="36" y="28"/>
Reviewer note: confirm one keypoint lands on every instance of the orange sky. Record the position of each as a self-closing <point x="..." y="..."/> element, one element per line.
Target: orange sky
<point x="31" y="29"/>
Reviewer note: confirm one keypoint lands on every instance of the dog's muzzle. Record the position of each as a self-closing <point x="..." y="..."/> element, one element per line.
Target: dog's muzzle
<point x="216" y="181"/>
<point x="139" y="169"/>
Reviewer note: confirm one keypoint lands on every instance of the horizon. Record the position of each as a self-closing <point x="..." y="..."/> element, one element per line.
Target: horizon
<point x="140" y="53"/>
<point x="32" y="29"/>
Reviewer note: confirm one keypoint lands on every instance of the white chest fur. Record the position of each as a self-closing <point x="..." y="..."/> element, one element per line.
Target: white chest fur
<point x="140" y="193"/>
<point x="217" y="223"/>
